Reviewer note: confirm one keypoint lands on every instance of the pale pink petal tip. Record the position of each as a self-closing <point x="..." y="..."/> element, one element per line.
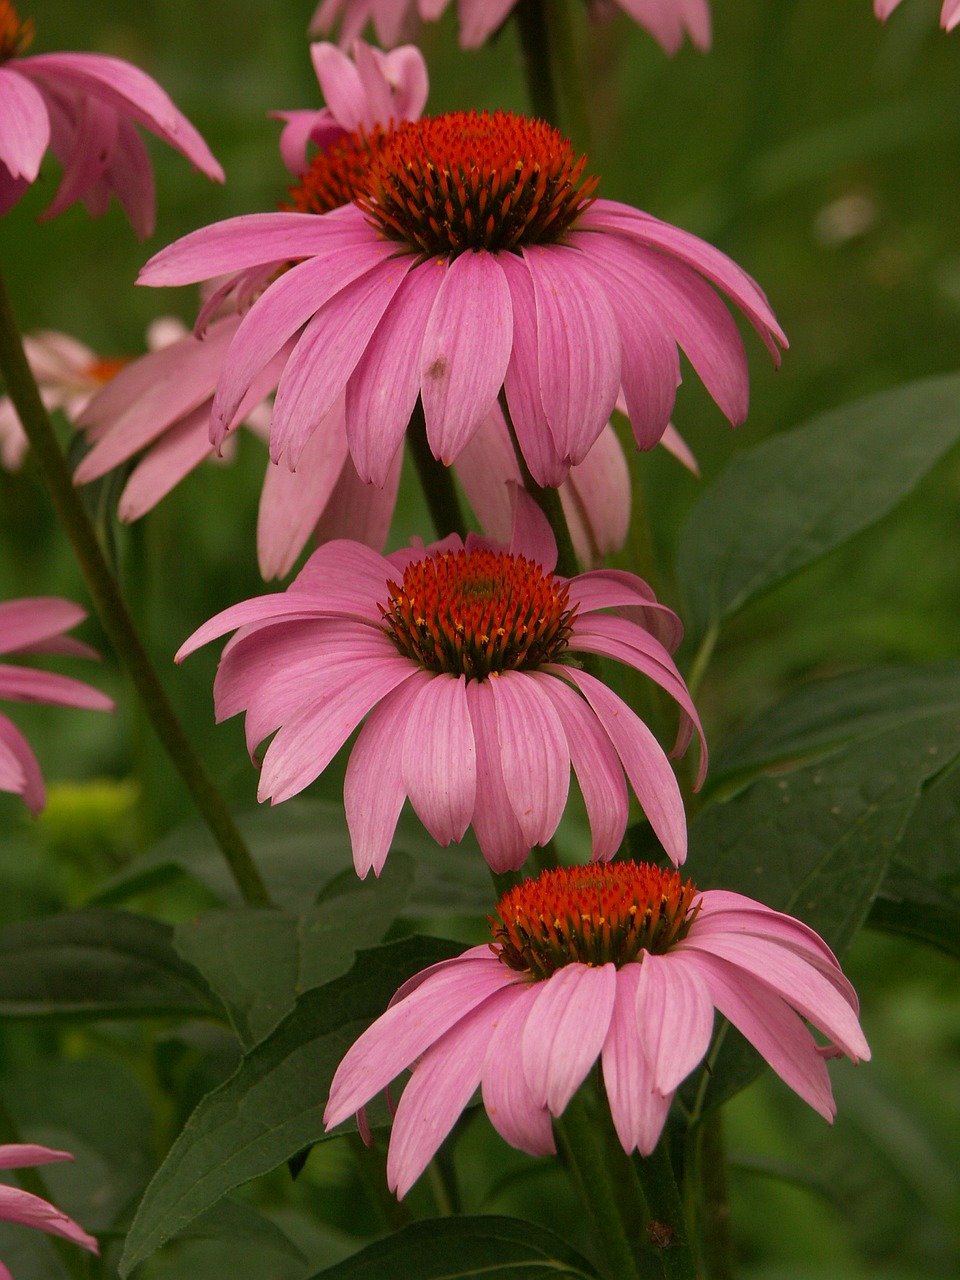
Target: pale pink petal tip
<point x="28" y="1210"/>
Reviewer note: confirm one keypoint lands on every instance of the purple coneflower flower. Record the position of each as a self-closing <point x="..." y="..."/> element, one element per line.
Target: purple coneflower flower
<point x="31" y="1211"/>
<point x="949" y="13"/>
<point x="472" y="259"/>
<point x="33" y="626"/>
<point x="623" y="962"/>
<point x="458" y="659"/>
<point x="666" y="20"/>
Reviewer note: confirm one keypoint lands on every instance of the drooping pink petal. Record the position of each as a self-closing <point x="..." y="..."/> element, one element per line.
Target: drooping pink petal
<point x="565" y="1031"/>
<point x="31" y="1211"/>
<point x="25" y="684"/>
<point x="533" y="754"/>
<point x="632" y="598"/>
<point x="179" y="452"/>
<point x="25" y="135"/>
<point x="674" y="1019"/>
<point x="480" y="18"/>
<point x="28" y="623"/>
<point x="639" y="1110"/>
<point x="361" y="511"/>
<point x="19" y="771"/>
<point x="498" y="832"/>
<point x="440" y="758"/>
<point x="21" y="1155"/>
<point x="530" y="532"/>
<point x="507" y="1098"/>
<point x="596" y="500"/>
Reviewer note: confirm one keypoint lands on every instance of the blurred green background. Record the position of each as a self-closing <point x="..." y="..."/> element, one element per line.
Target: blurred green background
<point x="818" y="148"/>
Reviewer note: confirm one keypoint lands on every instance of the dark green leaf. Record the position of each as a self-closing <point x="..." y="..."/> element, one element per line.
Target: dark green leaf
<point x="259" y="960"/>
<point x="462" y="1248"/>
<point x="97" y="963"/>
<point x="273" y="1107"/>
<point x="913" y="908"/>
<point x="782" y="505"/>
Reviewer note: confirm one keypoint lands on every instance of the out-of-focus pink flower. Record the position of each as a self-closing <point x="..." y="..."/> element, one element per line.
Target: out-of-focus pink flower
<point x="624" y="963"/>
<point x="457" y="658"/>
<point x="668" y="21"/>
<point x="949" y="13"/>
<point x="85" y="106"/>
<point x="67" y="374"/>
<point x="473" y="258"/>
<point x="29" y="1210"/>
<point x="32" y="626"/>
<point x="368" y="88"/>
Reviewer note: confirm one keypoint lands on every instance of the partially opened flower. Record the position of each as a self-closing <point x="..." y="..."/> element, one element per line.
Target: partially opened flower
<point x="85" y="107"/>
<point x="623" y="963"/>
<point x="473" y="258"/>
<point x="459" y="662"/>
<point x="949" y="13"/>
<point x="36" y="626"/>
<point x="31" y="1211"/>
<point x="666" y="20"/>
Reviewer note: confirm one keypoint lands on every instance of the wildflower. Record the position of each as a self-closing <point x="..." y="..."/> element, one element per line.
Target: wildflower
<point x="31" y="1211"/>
<point x="32" y="626"/>
<point x="84" y="107"/>
<point x="949" y="13"/>
<point x="472" y="258"/>
<point x="666" y="20"/>
<point x="623" y="962"/>
<point x="459" y="660"/>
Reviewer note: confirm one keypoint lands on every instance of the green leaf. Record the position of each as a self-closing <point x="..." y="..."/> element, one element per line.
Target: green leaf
<point x="461" y="1248"/>
<point x="299" y="847"/>
<point x="98" y="963"/>
<point x="913" y="908"/>
<point x="782" y="505"/>
<point x="259" y="960"/>
<point x="273" y="1106"/>
<point x="241" y="1224"/>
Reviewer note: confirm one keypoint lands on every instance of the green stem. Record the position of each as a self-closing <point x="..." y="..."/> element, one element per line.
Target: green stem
<point x="716" y="1242"/>
<point x="109" y="603"/>
<point x="535" y="46"/>
<point x="702" y="658"/>
<point x="436" y="480"/>
<point x="667" y="1227"/>
<point x="591" y="1175"/>
<point x="372" y="1169"/>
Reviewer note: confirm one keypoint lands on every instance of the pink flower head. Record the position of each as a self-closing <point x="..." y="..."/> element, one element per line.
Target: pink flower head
<point x="472" y="259"/>
<point x="457" y="660"/>
<point x="29" y="1210"/>
<point x="85" y="106"/>
<point x="949" y="13"/>
<point x="35" y="626"/>
<point x="666" y="20"/>
<point x="624" y="963"/>
<point x="369" y="88"/>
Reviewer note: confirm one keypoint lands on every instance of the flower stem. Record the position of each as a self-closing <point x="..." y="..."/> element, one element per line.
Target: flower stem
<point x="710" y="1164"/>
<point x="111" y="608"/>
<point x="436" y="480"/>
<point x="535" y="45"/>
<point x="592" y="1178"/>
<point x="667" y="1227"/>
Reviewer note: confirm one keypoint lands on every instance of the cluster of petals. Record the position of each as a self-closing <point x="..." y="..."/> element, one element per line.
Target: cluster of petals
<point x="316" y="661"/>
<point x="563" y="328"/>
<point x="36" y="626"/>
<point x="528" y="1045"/>
<point x="85" y="108"/>
<point x="360" y="91"/>
<point x="949" y="13"/>
<point x="666" y="20"/>
<point x="28" y="1210"/>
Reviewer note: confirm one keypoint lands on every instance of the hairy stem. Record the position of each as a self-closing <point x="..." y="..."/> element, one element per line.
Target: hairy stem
<point x="436" y="480"/>
<point x="667" y="1228"/>
<point x="111" y="608"/>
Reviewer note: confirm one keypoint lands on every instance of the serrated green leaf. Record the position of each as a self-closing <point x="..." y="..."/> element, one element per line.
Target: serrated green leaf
<point x="463" y="1249"/>
<point x="782" y="505"/>
<point x="259" y="960"/>
<point x="98" y="963"/>
<point x="273" y="1106"/>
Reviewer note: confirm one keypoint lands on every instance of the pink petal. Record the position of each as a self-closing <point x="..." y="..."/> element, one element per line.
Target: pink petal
<point x="363" y="512"/>
<point x="181" y="449"/>
<point x="89" y="155"/>
<point x="533" y="752"/>
<point x="27" y="623"/>
<point x="440" y="758"/>
<point x="530" y="532"/>
<point x="565" y="1030"/>
<point x="498" y="833"/>
<point x="465" y="351"/>
<point x="638" y="1109"/>
<point x="374" y="789"/>
<point x="596" y="500"/>
<point x="674" y="1013"/>
<point x="25" y="684"/>
<point x="485" y="466"/>
<point x="19" y="771"/>
<point x="643" y="760"/>
<point x="21" y="1155"/>
<point x="480" y="18"/>
<point x="25" y="135"/>
<point x="30" y="1211"/>
<point x="632" y="598"/>
<point x="507" y="1098"/>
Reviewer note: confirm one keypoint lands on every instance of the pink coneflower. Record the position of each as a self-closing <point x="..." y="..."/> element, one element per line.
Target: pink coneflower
<point x="668" y="21"/>
<point x="29" y="1210"/>
<point x="473" y="258"/>
<point x="35" y="626"/>
<point x="625" y="963"/>
<point x="949" y="13"/>
<point x="85" y="106"/>
<point x="458" y="659"/>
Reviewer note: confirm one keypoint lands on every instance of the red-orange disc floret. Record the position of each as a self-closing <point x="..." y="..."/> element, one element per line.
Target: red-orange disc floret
<point x="472" y="180"/>
<point x="477" y="613"/>
<point x="591" y="915"/>
<point x="15" y="36"/>
<point x="337" y="175"/>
